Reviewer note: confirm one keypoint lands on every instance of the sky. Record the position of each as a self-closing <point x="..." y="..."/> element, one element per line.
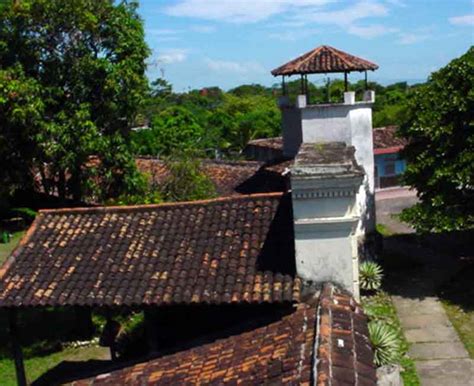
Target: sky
<point x="226" y="43"/>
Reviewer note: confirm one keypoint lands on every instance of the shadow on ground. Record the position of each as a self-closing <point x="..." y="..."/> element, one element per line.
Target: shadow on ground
<point x="69" y="370"/>
<point x="419" y="266"/>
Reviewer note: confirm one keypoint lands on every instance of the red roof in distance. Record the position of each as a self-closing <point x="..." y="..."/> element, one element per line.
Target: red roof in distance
<point x="324" y="59"/>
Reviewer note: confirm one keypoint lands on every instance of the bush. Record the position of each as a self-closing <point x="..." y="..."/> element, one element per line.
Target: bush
<point x="385" y="342"/>
<point x="370" y="276"/>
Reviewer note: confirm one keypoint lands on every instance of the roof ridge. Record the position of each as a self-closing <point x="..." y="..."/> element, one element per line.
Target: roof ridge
<point x="124" y="208"/>
<point x="340" y="55"/>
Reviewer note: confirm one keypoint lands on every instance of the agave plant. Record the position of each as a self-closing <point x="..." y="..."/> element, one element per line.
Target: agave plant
<point x="385" y="342"/>
<point x="370" y="276"/>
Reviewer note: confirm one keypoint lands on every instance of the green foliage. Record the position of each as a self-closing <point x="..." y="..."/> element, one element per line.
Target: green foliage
<point x="440" y="127"/>
<point x="27" y="214"/>
<point x="385" y="342"/>
<point x="21" y="112"/>
<point x="370" y="275"/>
<point x="379" y="307"/>
<point x="186" y="181"/>
<point x="72" y="79"/>
<point x="173" y="129"/>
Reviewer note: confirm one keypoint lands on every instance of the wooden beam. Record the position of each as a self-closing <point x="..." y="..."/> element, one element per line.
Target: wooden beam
<point x="16" y="348"/>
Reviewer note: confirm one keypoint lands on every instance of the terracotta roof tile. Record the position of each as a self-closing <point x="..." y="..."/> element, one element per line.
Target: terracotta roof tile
<point x="386" y="138"/>
<point x="283" y="352"/>
<point x="195" y="252"/>
<point x="324" y="59"/>
<point x="345" y="355"/>
<point x="228" y="177"/>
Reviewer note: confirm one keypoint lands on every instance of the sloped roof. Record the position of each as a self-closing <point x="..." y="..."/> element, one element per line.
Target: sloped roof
<point x="387" y="141"/>
<point x="324" y="59"/>
<point x="237" y="249"/>
<point x="228" y="177"/>
<point x="319" y="343"/>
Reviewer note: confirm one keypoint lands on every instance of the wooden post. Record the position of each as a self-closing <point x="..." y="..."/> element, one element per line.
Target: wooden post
<point x="302" y="84"/>
<point x="366" y="85"/>
<point x="345" y="82"/>
<point x="306" y="88"/>
<point x="16" y="348"/>
<point x="283" y="85"/>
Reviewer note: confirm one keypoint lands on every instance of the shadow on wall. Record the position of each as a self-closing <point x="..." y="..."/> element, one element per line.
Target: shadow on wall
<point x="278" y="252"/>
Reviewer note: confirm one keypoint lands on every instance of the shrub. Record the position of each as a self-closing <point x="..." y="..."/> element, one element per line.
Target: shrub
<point x="385" y="342"/>
<point x="370" y="276"/>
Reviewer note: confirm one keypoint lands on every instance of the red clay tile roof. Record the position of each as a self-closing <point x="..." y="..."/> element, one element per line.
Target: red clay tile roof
<point x="386" y="140"/>
<point x="228" y="177"/>
<point x="324" y="59"/>
<point x="226" y="250"/>
<point x="271" y="143"/>
<point x="302" y="348"/>
<point x="345" y="355"/>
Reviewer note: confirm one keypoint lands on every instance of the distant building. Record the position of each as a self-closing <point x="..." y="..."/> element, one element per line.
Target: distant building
<point x="389" y="165"/>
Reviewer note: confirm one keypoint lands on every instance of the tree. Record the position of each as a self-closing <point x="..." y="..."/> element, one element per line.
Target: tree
<point x="174" y="129"/>
<point x="440" y="155"/>
<point x="186" y="180"/>
<point x="85" y="60"/>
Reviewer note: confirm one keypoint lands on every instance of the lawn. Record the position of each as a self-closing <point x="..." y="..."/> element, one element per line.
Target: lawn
<point x="6" y="249"/>
<point x="380" y="307"/>
<point x="37" y="366"/>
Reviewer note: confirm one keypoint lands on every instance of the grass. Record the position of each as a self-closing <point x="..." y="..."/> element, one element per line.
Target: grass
<point x="383" y="230"/>
<point x="6" y="249"/>
<point x="380" y="307"/>
<point x="37" y="366"/>
<point x="457" y="297"/>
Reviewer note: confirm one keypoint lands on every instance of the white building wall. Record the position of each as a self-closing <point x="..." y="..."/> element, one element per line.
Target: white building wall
<point x="325" y="218"/>
<point x="340" y="122"/>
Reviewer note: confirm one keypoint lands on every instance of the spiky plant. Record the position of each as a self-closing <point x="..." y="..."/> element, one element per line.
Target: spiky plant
<point x="370" y="276"/>
<point x="385" y="342"/>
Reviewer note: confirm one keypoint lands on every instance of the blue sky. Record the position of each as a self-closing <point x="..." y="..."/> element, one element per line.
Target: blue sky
<point x="197" y="43"/>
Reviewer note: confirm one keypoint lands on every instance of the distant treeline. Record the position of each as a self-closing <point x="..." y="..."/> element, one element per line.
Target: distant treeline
<point x="213" y="122"/>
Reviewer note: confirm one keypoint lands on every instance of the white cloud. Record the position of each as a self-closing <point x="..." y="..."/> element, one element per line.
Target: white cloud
<point x="293" y="34"/>
<point x="238" y="11"/>
<point x="205" y="29"/>
<point x="347" y="16"/>
<point x="162" y="31"/>
<point x="234" y="67"/>
<point x="412" y="38"/>
<point x="370" y="31"/>
<point x="464" y="20"/>
<point x="175" y="55"/>
<point x="350" y="17"/>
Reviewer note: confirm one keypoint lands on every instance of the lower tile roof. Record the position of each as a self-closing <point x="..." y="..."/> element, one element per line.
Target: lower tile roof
<point x="323" y="343"/>
<point x="229" y="177"/>
<point x="386" y="138"/>
<point x="227" y="250"/>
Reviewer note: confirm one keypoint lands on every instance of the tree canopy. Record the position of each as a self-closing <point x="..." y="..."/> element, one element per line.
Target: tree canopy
<point x="440" y="127"/>
<point x="72" y="79"/>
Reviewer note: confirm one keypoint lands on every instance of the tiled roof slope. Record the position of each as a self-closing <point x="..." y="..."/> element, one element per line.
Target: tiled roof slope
<point x="386" y="138"/>
<point x="345" y="356"/>
<point x="271" y="143"/>
<point x="224" y="250"/>
<point x="228" y="177"/>
<point x="324" y="59"/>
<point x="301" y="348"/>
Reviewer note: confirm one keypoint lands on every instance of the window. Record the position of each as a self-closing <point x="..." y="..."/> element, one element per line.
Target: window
<point x="389" y="168"/>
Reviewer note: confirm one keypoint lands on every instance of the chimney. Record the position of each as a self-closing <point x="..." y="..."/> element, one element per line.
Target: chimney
<point x="325" y="180"/>
<point x="349" y="122"/>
